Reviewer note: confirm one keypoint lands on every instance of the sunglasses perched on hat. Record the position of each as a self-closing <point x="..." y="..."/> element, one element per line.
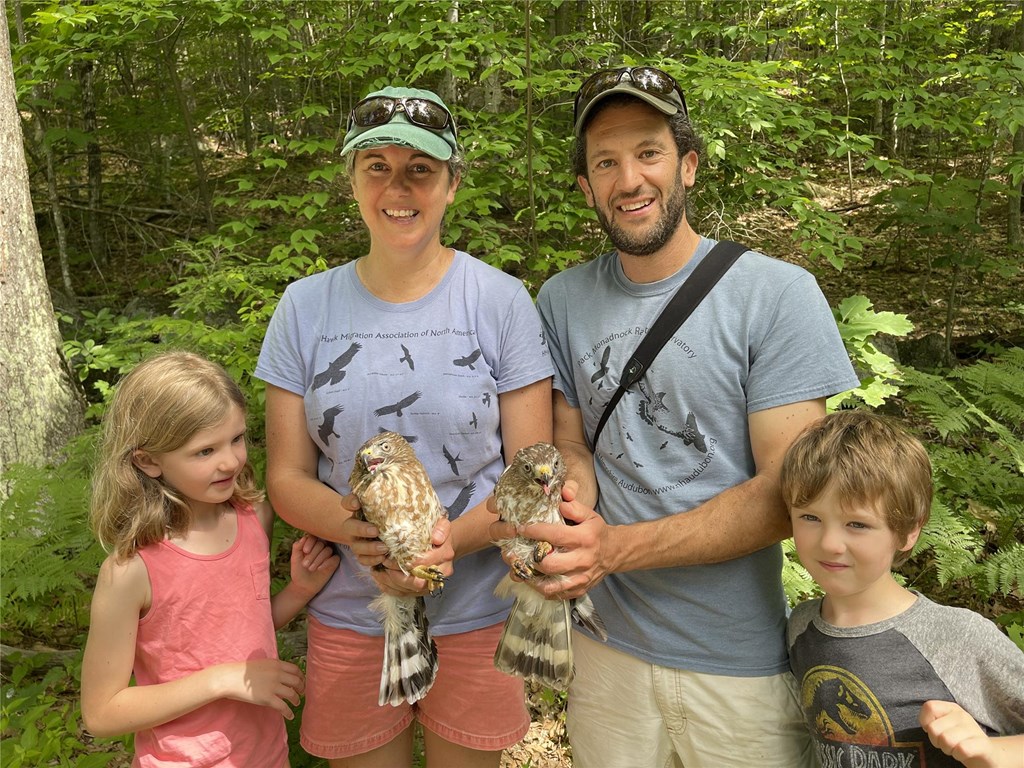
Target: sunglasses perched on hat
<point x="408" y="117"/>
<point x="652" y="85"/>
<point x="380" y="110"/>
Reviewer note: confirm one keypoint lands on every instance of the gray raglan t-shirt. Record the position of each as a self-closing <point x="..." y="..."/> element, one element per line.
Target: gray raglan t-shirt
<point x="431" y="370"/>
<point x="861" y="688"/>
<point x="763" y="337"/>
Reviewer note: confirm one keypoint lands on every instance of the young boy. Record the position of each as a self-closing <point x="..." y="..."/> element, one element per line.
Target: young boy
<point x="887" y="677"/>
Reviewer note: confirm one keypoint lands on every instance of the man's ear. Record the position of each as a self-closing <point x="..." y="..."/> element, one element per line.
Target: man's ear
<point x="588" y="193"/>
<point x="145" y="462"/>
<point x="688" y="169"/>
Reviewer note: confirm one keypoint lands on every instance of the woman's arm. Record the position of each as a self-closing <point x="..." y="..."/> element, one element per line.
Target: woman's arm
<point x="295" y="489"/>
<point x="525" y="415"/>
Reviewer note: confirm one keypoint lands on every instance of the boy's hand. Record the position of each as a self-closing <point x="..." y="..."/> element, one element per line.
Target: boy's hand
<point x="951" y="729"/>
<point x="312" y="563"/>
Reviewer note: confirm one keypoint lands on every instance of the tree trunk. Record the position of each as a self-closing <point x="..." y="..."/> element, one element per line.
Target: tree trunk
<point x="1016" y="201"/>
<point x="41" y="407"/>
<point x="56" y="210"/>
<point x="191" y="137"/>
<point x="94" y="165"/>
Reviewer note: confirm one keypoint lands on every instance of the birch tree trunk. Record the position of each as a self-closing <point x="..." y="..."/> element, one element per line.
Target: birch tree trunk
<point x="40" y="406"/>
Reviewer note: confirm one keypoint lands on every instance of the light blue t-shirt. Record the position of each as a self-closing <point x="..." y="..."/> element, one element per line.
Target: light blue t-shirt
<point x="763" y="337"/>
<point x="431" y="370"/>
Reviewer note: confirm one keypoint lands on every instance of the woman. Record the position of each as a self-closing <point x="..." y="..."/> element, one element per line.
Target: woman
<point x="422" y="340"/>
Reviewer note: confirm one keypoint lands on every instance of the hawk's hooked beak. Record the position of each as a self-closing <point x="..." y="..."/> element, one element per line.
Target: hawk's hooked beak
<point x="543" y="478"/>
<point x="370" y="461"/>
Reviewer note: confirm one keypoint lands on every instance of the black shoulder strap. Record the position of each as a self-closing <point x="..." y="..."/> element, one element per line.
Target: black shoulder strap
<point x="687" y="297"/>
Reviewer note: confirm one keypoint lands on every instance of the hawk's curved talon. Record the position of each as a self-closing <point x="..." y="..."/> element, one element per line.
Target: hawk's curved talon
<point x="542" y="550"/>
<point x="430" y="574"/>
<point x="522" y="570"/>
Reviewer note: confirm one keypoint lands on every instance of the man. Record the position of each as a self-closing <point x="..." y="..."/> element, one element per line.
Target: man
<point x="677" y="508"/>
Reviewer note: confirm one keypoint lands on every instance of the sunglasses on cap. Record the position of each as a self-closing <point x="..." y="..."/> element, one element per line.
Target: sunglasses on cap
<point x="379" y="110"/>
<point x="649" y="80"/>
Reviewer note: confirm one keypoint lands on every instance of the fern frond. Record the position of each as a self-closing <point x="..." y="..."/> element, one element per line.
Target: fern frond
<point x="953" y="544"/>
<point x="1004" y="570"/>
<point x="796" y="581"/>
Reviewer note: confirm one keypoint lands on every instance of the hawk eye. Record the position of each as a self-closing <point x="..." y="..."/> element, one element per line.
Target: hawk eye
<point x="528" y="468"/>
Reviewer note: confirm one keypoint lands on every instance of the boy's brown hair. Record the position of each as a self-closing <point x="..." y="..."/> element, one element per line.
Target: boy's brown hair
<point x="868" y="459"/>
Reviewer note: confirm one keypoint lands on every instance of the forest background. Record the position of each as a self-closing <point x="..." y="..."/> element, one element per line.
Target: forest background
<point x="179" y="164"/>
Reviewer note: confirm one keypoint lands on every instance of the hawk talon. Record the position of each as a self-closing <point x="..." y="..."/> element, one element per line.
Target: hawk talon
<point x="542" y="550"/>
<point x="522" y="570"/>
<point x="432" y="575"/>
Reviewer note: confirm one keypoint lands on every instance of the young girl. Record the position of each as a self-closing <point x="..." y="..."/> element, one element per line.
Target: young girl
<point x="183" y="601"/>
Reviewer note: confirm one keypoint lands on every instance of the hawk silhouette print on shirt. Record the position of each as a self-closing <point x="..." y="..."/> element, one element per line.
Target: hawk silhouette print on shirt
<point x="326" y="428"/>
<point x="335" y="372"/>
<point x="602" y="370"/>
<point x="453" y="461"/>
<point x="397" y="408"/>
<point x="468" y="360"/>
<point x="407" y="357"/>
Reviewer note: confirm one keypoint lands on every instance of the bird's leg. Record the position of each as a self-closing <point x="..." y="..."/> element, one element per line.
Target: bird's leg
<point x="431" y="574"/>
<point x="542" y="550"/>
<point x="522" y="569"/>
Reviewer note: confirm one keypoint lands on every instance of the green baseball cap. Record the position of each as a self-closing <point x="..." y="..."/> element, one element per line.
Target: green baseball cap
<point x="406" y="117"/>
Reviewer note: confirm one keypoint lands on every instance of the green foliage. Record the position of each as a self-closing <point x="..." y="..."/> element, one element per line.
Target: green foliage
<point x="858" y="325"/>
<point x="976" y="534"/>
<point x="49" y="554"/>
<point x="40" y="715"/>
<point x="923" y="99"/>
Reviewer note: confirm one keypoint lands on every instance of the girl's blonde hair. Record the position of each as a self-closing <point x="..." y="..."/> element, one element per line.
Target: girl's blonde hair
<point x="157" y="408"/>
<point x="869" y="459"/>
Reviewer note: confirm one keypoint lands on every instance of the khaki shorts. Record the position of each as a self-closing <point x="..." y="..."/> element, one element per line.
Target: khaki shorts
<point x="471" y="703"/>
<point x="629" y="713"/>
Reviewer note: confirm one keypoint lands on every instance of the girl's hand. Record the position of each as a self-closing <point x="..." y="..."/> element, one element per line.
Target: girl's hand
<point x="313" y="561"/>
<point x="266" y="682"/>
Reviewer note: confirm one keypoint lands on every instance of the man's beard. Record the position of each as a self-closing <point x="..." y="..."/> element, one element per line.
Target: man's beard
<point x="645" y="244"/>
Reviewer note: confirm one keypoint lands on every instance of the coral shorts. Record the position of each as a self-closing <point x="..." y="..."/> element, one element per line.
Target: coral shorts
<point x="471" y="703"/>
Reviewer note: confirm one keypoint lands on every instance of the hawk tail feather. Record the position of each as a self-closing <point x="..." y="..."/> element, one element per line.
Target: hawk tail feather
<point x="410" y="654"/>
<point x="584" y="614"/>
<point x="536" y="642"/>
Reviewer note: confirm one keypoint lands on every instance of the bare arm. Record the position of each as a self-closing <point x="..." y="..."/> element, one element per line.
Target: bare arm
<point x="572" y="442"/>
<point x="110" y="706"/>
<point x="311" y="565"/>
<point x="525" y="420"/>
<point x="711" y="533"/>
<point x="295" y="489"/>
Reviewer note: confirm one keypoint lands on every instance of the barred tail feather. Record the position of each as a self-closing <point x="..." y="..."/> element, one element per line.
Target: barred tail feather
<point x="536" y="642"/>
<point x="584" y="614"/>
<point x="410" y="654"/>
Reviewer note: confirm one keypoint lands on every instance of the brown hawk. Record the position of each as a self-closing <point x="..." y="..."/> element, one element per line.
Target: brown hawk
<point x="397" y="497"/>
<point x="536" y="643"/>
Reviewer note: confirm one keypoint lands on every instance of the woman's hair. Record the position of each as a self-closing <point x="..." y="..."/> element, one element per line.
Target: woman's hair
<point x="868" y="459"/>
<point x="157" y="408"/>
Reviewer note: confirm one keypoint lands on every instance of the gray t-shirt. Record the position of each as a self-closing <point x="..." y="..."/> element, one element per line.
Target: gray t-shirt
<point x="861" y="688"/>
<point x="431" y="370"/>
<point x="763" y="337"/>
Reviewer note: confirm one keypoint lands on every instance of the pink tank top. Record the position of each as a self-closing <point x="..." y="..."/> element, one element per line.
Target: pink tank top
<point x="209" y="609"/>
